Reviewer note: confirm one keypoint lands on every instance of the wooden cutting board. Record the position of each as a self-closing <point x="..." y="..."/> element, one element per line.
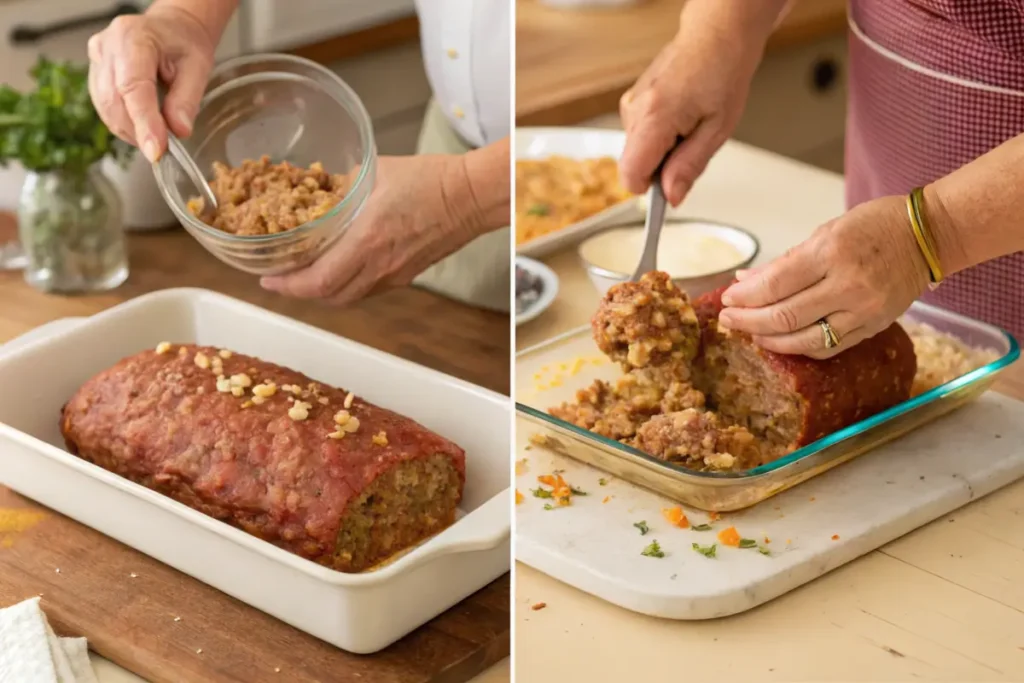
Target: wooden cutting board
<point x="169" y="628"/>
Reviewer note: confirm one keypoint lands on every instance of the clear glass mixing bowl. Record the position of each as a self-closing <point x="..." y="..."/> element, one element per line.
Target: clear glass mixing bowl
<point x="293" y="110"/>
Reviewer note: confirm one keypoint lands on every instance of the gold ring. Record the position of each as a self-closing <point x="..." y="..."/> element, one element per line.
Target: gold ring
<point x="828" y="334"/>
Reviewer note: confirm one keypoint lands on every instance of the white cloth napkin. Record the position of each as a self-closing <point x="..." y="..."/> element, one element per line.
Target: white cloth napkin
<point x="30" y="652"/>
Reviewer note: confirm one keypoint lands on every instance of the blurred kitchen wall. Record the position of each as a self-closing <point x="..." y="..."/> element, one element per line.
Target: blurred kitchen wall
<point x="391" y="81"/>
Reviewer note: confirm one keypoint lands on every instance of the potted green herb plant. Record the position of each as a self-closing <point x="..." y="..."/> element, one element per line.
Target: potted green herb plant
<point x="69" y="214"/>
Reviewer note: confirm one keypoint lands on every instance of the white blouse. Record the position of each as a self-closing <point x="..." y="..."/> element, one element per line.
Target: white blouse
<point x="467" y="52"/>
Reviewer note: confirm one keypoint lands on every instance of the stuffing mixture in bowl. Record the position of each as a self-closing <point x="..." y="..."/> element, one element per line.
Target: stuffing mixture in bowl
<point x="263" y="198"/>
<point x="556" y="192"/>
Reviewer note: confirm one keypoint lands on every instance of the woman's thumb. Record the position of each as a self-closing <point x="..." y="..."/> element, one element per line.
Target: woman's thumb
<point x="185" y="93"/>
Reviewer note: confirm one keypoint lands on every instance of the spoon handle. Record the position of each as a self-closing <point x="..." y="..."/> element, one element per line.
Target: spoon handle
<point x="656" y="207"/>
<point x="185" y="160"/>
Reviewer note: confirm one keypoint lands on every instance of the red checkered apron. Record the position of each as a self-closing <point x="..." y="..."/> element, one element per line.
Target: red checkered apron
<point x="934" y="84"/>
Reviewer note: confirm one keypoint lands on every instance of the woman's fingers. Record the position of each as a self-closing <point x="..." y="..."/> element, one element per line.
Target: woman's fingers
<point x="135" y="72"/>
<point x="688" y="161"/>
<point x="792" y="272"/>
<point x="108" y="105"/>
<point x="810" y="340"/>
<point x="326" y="277"/>
<point x="786" y="316"/>
<point x="188" y="83"/>
<point x="648" y="140"/>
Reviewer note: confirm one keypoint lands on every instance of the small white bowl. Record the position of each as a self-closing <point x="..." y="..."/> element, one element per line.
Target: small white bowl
<point x="745" y="243"/>
<point x="549" y="288"/>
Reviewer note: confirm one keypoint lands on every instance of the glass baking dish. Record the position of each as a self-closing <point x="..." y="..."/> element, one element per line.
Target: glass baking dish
<point x="551" y="372"/>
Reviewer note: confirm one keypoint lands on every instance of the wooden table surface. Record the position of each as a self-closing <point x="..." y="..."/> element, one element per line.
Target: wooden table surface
<point x="414" y="324"/>
<point x="943" y="603"/>
<point x="572" y="65"/>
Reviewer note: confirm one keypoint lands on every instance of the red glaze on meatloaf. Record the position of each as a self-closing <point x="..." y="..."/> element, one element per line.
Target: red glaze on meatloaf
<point x="345" y="495"/>
<point x="793" y="400"/>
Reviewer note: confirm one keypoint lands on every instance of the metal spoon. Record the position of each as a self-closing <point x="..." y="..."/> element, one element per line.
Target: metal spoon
<point x="656" y="205"/>
<point x="187" y="163"/>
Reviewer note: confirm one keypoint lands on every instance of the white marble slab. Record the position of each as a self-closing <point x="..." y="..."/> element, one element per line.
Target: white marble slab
<point x="866" y="503"/>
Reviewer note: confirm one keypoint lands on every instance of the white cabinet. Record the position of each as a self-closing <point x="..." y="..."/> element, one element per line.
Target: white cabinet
<point x="276" y="25"/>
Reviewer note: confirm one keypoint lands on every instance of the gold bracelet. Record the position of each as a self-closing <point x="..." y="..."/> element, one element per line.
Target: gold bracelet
<point x="923" y="235"/>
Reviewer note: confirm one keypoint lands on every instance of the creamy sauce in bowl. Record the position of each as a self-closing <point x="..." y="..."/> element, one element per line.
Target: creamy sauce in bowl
<point x="686" y="249"/>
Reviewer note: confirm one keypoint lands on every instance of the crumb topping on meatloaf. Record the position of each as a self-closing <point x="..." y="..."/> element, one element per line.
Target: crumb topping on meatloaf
<point x="263" y="198"/>
<point x="253" y="443"/>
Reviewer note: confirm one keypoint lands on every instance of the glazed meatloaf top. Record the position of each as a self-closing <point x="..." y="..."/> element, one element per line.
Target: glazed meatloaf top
<point x="285" y="453"/>
<point x="839" y="391"/>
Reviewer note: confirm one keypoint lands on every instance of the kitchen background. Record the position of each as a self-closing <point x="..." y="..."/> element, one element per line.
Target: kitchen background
<point x="371" y="44"/>
<point x="572" y="66"/>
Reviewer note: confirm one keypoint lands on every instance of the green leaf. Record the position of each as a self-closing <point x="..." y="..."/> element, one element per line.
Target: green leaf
<point x="538" y="210"/>
<point x="549" y="506"/>
<point x="764" y="551"/>
<point x="701" y="527"/>
<point x="55" y="126"/>
<point x="652" y="550"/>
<point x="642" y="526"/>
<point x="705" y="550"/>
<point x="540" y="493"/>
<point x="602" y="481"/>
<point x="577" y="492"/>
<point x="748" y="543"/>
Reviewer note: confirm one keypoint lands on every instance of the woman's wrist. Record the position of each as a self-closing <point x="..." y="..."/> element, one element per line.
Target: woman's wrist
<point x="213" y="16"/>
<point x="748" y="23"/>
<point x="945" y="234"/>
<point x="476" y="190"/>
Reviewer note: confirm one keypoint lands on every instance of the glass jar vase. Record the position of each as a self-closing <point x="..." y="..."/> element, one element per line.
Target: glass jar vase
<point x="11" y="255"/>
<point x="70" y="228"/>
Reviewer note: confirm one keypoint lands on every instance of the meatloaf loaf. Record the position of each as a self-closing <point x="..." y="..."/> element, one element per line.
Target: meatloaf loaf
<point x="790" y="401"/>
<point x="310" y="468"/>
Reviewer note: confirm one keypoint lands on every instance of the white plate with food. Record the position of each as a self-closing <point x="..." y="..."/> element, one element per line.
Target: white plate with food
<point x="204" y="399"/>
<point x="567" y="186"/>
<point x="536" y="289"/>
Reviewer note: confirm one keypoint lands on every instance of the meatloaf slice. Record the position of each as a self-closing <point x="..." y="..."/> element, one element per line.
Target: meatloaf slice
<point x="790" y="401"/>
<point x="307" y="467"/>
<point x="699" y="440"/>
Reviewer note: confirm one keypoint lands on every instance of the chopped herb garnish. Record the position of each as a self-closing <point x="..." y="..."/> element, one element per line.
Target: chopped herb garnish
<point x="652" y="550"/>
<point x="537" y="210"/>
<point x="705" y="550"/>
<point x="577" y="492"/>
<point x="764" y="551"/>
<point x="549" y="506"/>
<point x="701" y="527"/>
<point x="557" y="472"/>
<point x="540" y="493"/>
<point x="602" y="481"/>
<point x="642" y="526"/>
<point x="748" y="543"/>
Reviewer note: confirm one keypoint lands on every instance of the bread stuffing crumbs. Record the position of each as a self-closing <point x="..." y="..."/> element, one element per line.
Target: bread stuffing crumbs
<point x="199" y="651"/>
<point x="177" y="618"/>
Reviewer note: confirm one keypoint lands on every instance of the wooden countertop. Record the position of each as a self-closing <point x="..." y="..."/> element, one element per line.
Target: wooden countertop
<point x="411" y="323"/>
<point x="945" y="602"/>
<point x="572" y="65"/>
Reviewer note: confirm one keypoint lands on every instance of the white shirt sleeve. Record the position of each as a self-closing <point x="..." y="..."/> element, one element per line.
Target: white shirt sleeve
<point x="467" y="53"/>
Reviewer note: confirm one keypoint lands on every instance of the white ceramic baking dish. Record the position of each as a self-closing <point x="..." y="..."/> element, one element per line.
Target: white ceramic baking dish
<point x="360" y="613"/>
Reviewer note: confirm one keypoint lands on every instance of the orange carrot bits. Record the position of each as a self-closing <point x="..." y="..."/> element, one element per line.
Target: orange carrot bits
<point x="676" y="517"/>
<point x="729" y="537"/>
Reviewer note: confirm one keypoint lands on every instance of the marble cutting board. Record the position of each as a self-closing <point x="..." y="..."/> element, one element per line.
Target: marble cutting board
<point x="813" y="528"/>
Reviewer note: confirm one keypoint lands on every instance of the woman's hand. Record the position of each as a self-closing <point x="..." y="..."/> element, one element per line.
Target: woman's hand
<point x="124" y="61"/>
<point x="420" y="212"/>
<point x="859" y="272"/>
<point x="695" y="88"/>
